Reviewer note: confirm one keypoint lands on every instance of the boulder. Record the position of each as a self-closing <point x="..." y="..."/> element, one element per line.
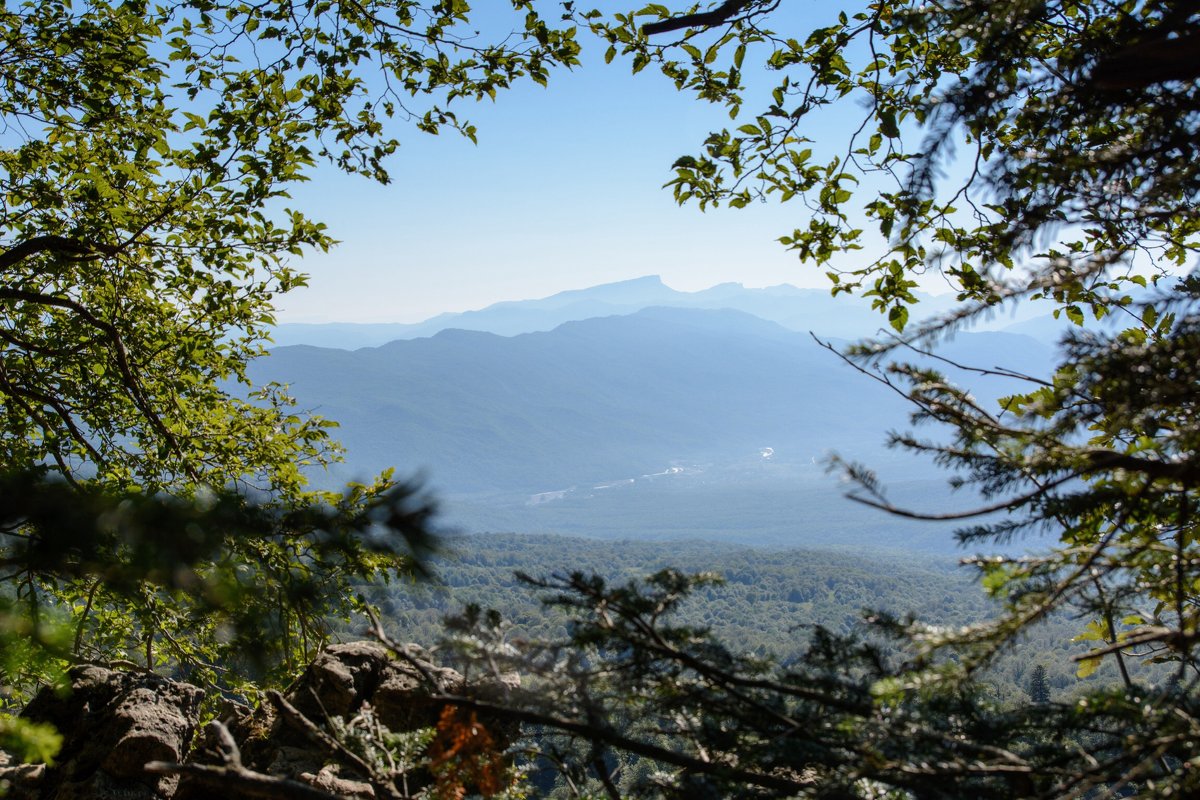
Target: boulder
<point x="113" y="723"/>
<point x="20" y="781"/>
<point x="345" y="676"/>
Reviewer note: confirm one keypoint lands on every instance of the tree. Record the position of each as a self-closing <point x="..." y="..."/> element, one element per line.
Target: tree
<point x="144" y="170"/>
<point x="1023" y="152"/>
<point x="1039" y="690"/>
<point x="1052" y="161"/>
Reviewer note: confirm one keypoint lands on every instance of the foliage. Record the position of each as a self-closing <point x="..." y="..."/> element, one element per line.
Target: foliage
<point x="767" y="602"/>
<point x="456" y="758"/>
<point x="145" y="161"/>
<point x="31" y="742"/>
<point x="852" y="716"/>
<point x="1039" y="690"/>
<point x="463" y="755"/>
<point x="1052" y="137"/>
<point x="386" y="751"/>
<point x="161" y="584"/>
<point x="1053" y="162"/>
<point x="146" y="158"/>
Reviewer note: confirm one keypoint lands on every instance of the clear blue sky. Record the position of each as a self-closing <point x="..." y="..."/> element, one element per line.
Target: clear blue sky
<point x="563" y="191"/>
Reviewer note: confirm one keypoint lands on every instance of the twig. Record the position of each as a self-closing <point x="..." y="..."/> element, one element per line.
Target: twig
<point x="246" y="781"/>
<point x="318" y="736"/>
<point x="381" y="783"/>
<point x="378" y="632"/>
<point x="1009" y="503"/>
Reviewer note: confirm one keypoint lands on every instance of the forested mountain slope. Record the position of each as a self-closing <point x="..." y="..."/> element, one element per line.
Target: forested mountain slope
<point x="599" y="400"/>
<point x="668" y="422"/>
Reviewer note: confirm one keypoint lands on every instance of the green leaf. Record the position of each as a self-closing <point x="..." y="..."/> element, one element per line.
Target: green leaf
<point x="887" y="124"/>
<point x="1087" y="667"/>
<point x="31" y="742"/>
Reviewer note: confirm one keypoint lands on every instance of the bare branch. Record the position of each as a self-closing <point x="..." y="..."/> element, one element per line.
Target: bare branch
<point x="245" y="781"/>
<point x="318" y="736"/>
<point x="981" y="511"/>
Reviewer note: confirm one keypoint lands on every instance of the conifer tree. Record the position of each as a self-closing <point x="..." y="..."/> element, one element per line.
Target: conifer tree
<point x="1039" y="689"/>
<point x="1025" y="153"/>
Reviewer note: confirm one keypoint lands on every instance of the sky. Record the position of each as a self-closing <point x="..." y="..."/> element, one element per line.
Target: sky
<point x="563" y="191"/>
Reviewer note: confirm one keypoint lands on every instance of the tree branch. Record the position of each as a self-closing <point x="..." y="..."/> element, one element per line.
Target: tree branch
<point x="608" y="736"/>
<point x="1183" y="471"/>
<point x="129" y="377"/>
<point x="60" y="245"/>
<point x="246" y="781"/>
<point x="320" y="737"/>
<point x="705" y="19"/>
<point x="1003" y="505"/>
<point x="1156" y="60"/>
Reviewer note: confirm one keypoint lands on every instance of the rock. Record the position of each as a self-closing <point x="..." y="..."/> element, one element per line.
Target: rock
<point x="20" y="781"/>
<point x="401" y="700"/>
<point x="113" y="723"/>
<point x="339" y="680"/>
<point x="342" y="682"/>
<point x="345" y="676"/>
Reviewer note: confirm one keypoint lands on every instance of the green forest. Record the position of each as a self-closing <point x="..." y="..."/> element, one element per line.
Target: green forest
<point x="766" y="603"/>
<point x="157" y="521"/>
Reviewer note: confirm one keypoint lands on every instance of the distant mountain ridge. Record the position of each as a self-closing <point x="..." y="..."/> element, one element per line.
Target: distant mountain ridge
<point x="590" y="400"/>
<point x="794" y="308"/>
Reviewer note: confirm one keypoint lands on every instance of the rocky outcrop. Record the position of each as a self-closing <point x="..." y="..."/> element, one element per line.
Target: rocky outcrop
<point x="346" y="676"/>
<point x="115" y="723"/>
<point x="112" y="723"/>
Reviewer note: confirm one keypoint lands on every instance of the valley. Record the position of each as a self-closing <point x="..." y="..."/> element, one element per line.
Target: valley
<point x="667" y="422"/>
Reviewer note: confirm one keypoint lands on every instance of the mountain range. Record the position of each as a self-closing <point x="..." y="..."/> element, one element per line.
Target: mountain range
<point x="664" y="422"/>
<point x="846" y="317"/>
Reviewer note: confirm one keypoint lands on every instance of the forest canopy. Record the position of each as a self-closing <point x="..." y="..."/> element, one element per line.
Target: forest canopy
<point x="1023" y="151"/>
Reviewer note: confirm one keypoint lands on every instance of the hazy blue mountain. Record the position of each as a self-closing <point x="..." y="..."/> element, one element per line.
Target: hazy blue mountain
<point x="590" y="401"/>
<point x="343" y="335"/>
<point x="1048" y="329"/>
<point x="661" y="423"/>
<point x="794" y="308"/>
